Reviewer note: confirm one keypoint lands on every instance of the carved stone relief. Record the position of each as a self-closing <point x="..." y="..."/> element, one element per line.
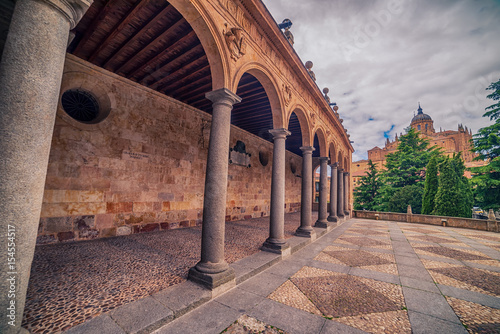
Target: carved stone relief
<point x="235" y="42"/>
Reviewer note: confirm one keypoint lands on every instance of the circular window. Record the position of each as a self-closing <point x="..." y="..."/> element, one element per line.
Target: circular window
<point x="263" y="158"/>
<point x="81" y="105"/>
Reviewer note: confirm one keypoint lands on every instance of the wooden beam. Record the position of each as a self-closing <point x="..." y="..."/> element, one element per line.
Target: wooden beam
<point x="188" y="86"/>
<point x="178" y="75"/>
<point x="147" y="25"/>
<point x="181" y="81"/>
<point x="89" y="31"/>
<point x="193" y="51"/>
<point x="119" y="27"/>
<point x="164" y="34"/>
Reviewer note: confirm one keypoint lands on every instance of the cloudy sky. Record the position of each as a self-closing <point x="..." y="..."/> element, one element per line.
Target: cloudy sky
<point x="380" y="58"/>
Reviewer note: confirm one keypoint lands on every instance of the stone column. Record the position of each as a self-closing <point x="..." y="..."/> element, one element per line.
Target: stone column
<point x="213" y="271"/>
<point x="305" y="229"/>
<point x="340" y="198"/>
<point x="276" y="242"/>
<point x="346" y="194"/>
<point x="30" y="80"/>
<point x="323" y="193"/>
<point x="333" y="193"/>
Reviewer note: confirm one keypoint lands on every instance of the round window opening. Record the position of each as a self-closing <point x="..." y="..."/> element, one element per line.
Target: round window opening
<point x="263" y="158"/>
<point x="81" y="105"/>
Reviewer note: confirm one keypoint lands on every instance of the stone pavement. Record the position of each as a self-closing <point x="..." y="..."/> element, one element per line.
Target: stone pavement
<point x="363" y="276"/>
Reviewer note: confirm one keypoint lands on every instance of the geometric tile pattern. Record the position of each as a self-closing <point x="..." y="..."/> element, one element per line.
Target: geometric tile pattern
<point x="364" y="242"/>
<point x="483" y="279"/>
<point x="360" y="302"/>
<point x="477" y="318"/>
<point x="381" y="262"/>
<point x="462" y="255"/>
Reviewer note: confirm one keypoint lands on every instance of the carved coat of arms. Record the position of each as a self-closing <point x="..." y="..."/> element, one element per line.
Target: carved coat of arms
<point x="235" y="42"/>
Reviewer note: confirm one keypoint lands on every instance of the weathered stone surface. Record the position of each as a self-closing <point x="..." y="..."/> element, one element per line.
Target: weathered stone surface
<point x="139" y="175"/>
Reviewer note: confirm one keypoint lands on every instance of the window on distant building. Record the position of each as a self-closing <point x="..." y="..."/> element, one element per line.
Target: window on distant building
<point x="418" y="126"/>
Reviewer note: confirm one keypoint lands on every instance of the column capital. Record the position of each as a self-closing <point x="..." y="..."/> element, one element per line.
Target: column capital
<point x="324" y="159"/>
<point x="334" y="165"/>
<point x="73" y="10"/>
<point x="279" y="133"/>
<point x="341" y="170"/>
<point x="223" y="96"/>
<point x="307" y="149"/>
<point x="346" y="173"/>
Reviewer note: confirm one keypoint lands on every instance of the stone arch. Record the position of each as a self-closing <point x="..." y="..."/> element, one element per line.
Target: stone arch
<point x="322" y="142"/>
<point x="270" y="85"/>
<point x="332" y="152"/>
<point x="340" y="160"/>
<point x="347" y="165"/>
<point x="305" y="127"/>
<point x="211" y="39"/>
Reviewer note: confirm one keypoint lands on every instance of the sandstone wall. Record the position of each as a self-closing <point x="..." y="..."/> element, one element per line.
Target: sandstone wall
<point x="143" y="167"/>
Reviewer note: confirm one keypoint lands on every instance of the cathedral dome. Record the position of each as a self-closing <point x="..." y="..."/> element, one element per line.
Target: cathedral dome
<point x="420" y="116"/>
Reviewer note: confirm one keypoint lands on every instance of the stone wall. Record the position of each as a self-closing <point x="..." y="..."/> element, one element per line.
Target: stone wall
<point x="143" y="167"/>
<point x="476" y="224"/>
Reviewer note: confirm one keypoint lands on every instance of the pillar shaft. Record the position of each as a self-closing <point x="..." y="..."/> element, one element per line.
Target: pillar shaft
<point x="333" y="193"/>
<point x="323" y="193"/>
<point x="276" y="241"/>
<point x="214" y="204"/>
<point x="305" y="228"/>
<point x="30" y="80"/>
<point x="340" y="199"/>
<point x="346" y="194"/>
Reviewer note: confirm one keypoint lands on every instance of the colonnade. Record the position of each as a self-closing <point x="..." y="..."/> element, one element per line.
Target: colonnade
<point x="30" y="77"/>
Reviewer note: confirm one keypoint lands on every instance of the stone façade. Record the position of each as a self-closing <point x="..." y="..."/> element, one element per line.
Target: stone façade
<point x="143" y="168"/>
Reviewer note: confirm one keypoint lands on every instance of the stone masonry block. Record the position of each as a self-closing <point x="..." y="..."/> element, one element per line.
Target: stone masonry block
<point x="58" y="224"/>
<point x="119" y="207"/>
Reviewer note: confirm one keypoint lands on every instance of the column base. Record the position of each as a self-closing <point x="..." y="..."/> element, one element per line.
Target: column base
<point x="322" y="223"/>
<point x="332" y="219"/>
<point x="282" y="248"/>
<point x="306" y="232"/>
<point x="346" y="213"/>
<point x="212" y="281"/>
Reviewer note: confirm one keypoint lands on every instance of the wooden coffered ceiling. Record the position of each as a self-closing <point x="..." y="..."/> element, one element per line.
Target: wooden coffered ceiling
<point x="149" y="42"/>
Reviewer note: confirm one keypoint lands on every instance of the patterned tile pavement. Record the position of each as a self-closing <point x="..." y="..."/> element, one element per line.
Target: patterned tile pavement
<point x="364" y="276"/>
<point x="446" y="277"/>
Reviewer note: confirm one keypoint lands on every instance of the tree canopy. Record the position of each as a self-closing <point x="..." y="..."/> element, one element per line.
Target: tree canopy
<point x="454" y="194"/>
<point x="366" y="194"/>
<point x="406" y="167"/>
<point x="431" y="185"/>
<point x="486" y="179"/>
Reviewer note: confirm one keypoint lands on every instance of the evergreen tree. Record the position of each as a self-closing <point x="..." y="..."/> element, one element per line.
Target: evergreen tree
<point x="408" y="195"/>
<point x="366" y="194"/>
<point x="430" y="186"/>
<point x="454" y="195"/>
<point x="405" y="167"/>
<point x="486" y="179"/>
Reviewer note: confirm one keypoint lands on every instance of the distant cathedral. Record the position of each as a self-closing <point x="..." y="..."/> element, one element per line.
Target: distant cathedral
<point x="449" y="141"/>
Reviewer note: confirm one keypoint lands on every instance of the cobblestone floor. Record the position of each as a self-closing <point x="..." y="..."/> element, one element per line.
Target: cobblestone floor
<point x="71" y="283"/>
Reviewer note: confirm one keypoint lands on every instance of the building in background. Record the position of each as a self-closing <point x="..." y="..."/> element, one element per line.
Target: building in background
<point x="450" y="142"/>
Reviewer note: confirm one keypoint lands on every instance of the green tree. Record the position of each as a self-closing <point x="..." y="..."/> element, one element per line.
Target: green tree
<point x="406" y="166"/>
<point x="486" y="179"/>
<point x="430" y="186"/>
<point x="408" y="195"/>
<point x="366" y="194"/>
<point x="454" y="195"/>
